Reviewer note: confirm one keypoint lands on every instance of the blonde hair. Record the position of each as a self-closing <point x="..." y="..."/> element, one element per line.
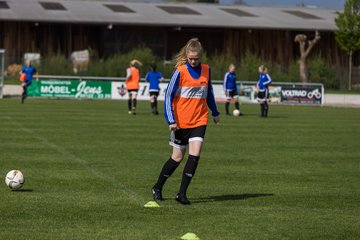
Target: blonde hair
<point x="136" y="63"/>
<point x="263" y="69"/>
<point x="192" y="45"/>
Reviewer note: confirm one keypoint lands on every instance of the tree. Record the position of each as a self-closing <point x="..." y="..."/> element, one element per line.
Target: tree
<point x="348" y="33"/>
<point x="304" y="53"/>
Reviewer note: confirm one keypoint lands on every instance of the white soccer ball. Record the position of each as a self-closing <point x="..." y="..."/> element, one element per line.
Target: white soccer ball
<point x="14" y="179"/>
<point x="236" y="113"/>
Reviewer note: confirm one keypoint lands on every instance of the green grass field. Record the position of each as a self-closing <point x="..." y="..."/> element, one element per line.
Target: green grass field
<point x="89" y="167"/>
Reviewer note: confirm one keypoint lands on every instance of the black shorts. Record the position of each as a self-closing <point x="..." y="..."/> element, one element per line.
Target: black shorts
<point x="154" y="93"/>
<point x="263" y="96"/>
<point x="231" y="94"/>
<point x="130" y="91"/>
<point x="181" y="137"/>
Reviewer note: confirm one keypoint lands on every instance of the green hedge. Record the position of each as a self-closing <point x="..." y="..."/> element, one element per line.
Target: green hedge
<point x="247" y="67"/>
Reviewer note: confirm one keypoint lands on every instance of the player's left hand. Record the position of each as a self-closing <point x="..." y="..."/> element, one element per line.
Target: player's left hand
<point x="216" y="119"/>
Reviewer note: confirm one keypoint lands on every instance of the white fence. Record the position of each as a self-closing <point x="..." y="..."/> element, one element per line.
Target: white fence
<point x="113" y="88"/>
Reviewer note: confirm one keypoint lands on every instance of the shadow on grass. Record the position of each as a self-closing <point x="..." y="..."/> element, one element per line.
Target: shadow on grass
<point x="259" y="116"/>
<point x="231" y="197"/>
<point x="277" y="116"/>
<point x="23" y="190"/>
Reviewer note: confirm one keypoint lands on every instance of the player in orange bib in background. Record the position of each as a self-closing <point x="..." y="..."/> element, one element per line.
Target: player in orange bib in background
<point x="132" y="84"/>
<point x="187" y="99"/>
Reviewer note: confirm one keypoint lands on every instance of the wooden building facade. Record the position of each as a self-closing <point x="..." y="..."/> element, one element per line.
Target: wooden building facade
<point x="233" y="30"/>
<point x="59" y="38"/>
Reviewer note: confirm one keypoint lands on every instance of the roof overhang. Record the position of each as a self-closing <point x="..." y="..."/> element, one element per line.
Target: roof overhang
<point x="169" y="15"/>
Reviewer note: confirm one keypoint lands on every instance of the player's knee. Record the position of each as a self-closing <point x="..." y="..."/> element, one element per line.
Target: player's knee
<point x="177" y="156"/>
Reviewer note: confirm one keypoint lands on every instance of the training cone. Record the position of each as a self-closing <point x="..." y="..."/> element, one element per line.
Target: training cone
<point x="190" y="236"/>
<point x="152" y="204"/>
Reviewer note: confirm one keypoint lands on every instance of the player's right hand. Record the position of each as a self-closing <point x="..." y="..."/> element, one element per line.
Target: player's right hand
<point x="173" y="127"/>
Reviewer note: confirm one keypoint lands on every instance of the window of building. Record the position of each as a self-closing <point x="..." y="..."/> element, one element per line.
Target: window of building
<point x="301" y="14"/>
<point x="4" y="5"/>
<point x="238" y="12"/>
<point x="52" y="6"/>
<point x="119" y="8"/>
<point x="179" y="10"/>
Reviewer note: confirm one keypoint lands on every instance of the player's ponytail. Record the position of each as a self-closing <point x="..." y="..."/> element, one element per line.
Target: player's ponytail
<point x="192" y="45"/>
<point x="263" y="69"/>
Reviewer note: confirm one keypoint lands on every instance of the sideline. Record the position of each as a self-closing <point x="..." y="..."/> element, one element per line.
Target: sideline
<point x="331" y="99"/>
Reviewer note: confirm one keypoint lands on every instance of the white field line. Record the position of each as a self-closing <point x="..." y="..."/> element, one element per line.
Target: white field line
<point x="107" y="178"/>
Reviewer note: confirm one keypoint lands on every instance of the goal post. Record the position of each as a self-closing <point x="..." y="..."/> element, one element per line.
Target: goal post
<point x="2" y="71"/>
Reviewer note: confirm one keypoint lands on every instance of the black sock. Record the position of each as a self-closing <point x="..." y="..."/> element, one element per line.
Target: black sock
<point x="152" y="106"/>
<point x="25" y="91"/>
<point x="189" y="172"/>
<point x="227" y="104"/>
<point x="262" y="109"/>
<point x="134" y="102"/>
<point x="129" y="104"/>
<point x="237" y="105"/>
<point x="23" y="95"/>
<point x="155" y="104"/>
<point x="168" y="168"/>
<point x="266" y="108"/>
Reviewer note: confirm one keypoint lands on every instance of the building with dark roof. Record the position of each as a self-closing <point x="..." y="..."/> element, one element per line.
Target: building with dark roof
<point x="113" y="27"/>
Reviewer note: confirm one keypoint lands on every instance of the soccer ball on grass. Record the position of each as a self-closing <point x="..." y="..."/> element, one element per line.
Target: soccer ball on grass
<point x="14" y="179"/>
<point x="236" y="112"/>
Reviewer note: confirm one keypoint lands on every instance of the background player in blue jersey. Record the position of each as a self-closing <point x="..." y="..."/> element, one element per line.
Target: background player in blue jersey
<point x="230" y="89"/>
<point x="263" y="90"/>
<point x="154" y="78"/>
<point x="29" y="71"/>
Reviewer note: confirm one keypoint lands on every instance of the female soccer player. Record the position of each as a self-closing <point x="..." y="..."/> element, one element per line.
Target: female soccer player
<point x="29" y="71"/>
<point x="154" y="78"/>
<point x="187" y="98"/>
<point x="263" y="90"/>
<point x="132" y="84"/>
<point x="230" y="89"/>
